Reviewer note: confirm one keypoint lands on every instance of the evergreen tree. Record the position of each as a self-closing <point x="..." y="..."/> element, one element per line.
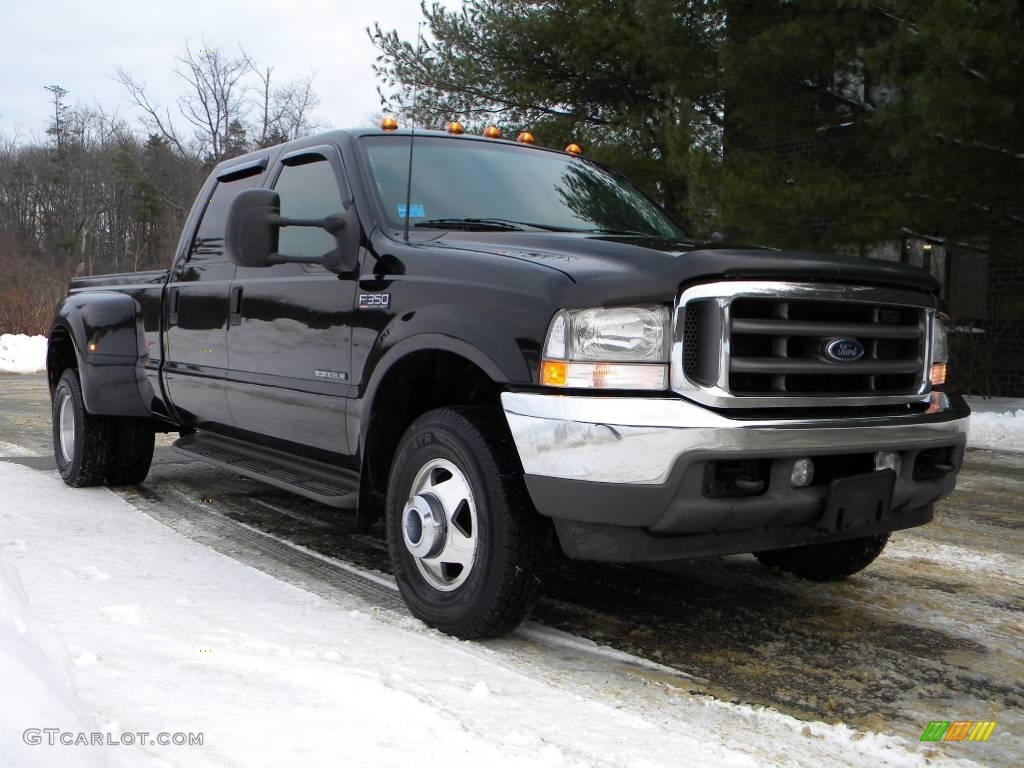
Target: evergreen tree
<point x="636" y="83"/>
<point x="815" y="123"/>
<point x="57" y="127"/>
<point x="849" y="121"/>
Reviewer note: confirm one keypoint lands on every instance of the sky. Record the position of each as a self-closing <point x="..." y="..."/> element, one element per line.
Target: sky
<point x="80" y="46"/>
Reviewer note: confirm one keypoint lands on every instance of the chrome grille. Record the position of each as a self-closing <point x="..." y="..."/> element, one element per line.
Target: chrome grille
<point x="690" y="334"/>
<point x="777" y="347"/>
<point x="750" y="344"/>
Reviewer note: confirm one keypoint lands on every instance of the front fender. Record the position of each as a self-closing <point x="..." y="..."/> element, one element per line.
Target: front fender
<point x="105" y="329"/>
<point x="486" y="358"/>
<point x="452" y="328"/>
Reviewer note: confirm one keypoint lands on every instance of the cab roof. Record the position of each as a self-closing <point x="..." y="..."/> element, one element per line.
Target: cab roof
<point x="339" y="135"/>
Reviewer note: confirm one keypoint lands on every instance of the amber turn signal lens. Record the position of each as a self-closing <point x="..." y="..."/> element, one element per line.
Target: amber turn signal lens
<point x="456" y="127"/>
<point x="525" y="137"/>
<point x="938" y="374"/>
<point x="92" y="346"/>
<point x="574" y="149"/>
<point x="492" y="132"/>
<point x="389" y="124"/>
<point x="553" y="373"/>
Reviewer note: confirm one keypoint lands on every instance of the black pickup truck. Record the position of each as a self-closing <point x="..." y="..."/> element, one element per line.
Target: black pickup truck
<point x="513" y="347"/>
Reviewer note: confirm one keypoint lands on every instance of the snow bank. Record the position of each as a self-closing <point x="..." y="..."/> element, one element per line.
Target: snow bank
<point x="997" y="431"/>
<point x="997" y="424"/>
<point x="38" y="684"/>
<point x="22" y="354"/>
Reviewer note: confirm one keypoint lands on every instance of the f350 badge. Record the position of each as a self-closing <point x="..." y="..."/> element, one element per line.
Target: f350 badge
<point x="374" y="300"/>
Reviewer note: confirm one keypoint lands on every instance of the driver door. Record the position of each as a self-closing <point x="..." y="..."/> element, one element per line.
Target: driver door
<point x="289" y="340"/>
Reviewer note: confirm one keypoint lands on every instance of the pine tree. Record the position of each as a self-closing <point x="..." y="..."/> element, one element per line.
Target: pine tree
<point x="57" y="127"/>
<point x="851" y="121"/>
<point x="812" y="123"/>
<point x="636" y="83"/>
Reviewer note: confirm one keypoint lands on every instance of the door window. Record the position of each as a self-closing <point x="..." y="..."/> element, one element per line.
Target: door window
<point x="308" y="191"/>
<point x="208" y="245"/>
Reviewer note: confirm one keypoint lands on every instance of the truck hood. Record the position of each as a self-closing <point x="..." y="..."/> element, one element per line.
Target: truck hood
<point x="646" y="269"/>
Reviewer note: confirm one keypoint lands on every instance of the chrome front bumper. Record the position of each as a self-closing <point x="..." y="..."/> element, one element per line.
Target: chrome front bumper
<point x="638" y="441"/>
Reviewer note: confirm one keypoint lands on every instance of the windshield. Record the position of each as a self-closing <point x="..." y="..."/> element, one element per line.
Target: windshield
<point x="459" y="184"/>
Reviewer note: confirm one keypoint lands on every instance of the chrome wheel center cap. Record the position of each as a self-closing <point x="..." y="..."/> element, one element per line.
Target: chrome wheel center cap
<point x="424" y="528"/>
<point x="439" y="524"/>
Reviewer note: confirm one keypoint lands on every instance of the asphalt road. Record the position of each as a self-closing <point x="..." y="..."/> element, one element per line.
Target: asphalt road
<point x="932" y="631"/>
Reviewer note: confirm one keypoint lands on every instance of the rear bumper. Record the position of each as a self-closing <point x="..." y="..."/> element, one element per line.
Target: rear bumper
<point x="633" y="470"/>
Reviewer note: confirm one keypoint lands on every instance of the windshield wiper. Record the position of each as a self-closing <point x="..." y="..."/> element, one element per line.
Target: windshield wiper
<point x="510" y="225"/>
<point x="495" y="225"/>
<point x="619" y="232"/>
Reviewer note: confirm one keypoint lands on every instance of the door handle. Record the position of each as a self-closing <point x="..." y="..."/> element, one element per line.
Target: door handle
<point x="235" y="306"/>
<point x="172" y="301"/>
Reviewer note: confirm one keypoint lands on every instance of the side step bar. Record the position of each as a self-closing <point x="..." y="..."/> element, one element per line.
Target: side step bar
<point x="334" y="486"/>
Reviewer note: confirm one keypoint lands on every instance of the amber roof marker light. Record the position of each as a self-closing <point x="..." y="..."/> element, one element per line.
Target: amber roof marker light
<point x="525" y="137"/>
<point x="456" y="128"/>
<point x="492" y="132"/>
<point x="574" y="149"/>
<point x="389" y="124"/>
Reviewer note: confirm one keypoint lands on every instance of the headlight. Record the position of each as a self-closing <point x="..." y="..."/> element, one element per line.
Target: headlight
<point x="940" y="350"/>
<point x="614" y="348"/>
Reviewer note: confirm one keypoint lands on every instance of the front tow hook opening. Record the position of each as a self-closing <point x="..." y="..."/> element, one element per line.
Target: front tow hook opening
<point x="725" y="479"/>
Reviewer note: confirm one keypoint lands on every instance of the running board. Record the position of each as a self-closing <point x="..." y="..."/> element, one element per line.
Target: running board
<point x="334" y="486"/>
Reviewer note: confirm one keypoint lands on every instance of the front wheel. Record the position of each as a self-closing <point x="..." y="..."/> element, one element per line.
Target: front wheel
<point x="464" y="539"/>
<point x="826" y="562"/>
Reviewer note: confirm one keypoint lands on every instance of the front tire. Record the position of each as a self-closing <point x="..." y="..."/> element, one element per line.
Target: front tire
<point x="83" y="444"/>
<point x="464" y="540"/>
<point x="826" y="562"/>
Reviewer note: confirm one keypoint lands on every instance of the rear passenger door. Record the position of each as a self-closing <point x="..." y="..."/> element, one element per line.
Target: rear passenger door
<point x="289" y="345"/>
<point x="196" y="310"/>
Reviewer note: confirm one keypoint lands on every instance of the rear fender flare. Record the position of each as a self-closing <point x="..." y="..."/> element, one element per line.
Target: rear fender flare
<point x="107" y="333"/>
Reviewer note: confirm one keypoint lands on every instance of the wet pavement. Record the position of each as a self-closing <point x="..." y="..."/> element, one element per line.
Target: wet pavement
<point x="933" y="630"/>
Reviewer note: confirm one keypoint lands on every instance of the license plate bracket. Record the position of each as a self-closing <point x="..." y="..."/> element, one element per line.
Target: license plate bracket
<point x="858" y="500"/>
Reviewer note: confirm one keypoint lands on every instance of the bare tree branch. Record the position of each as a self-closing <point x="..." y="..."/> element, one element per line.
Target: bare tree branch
<point x="163" y="125"/>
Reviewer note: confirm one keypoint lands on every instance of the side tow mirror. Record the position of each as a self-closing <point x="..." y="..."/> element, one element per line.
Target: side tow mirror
<point x="253" y="230"/>
<point x="345" y="229"/>
<point x="253" y="226"/>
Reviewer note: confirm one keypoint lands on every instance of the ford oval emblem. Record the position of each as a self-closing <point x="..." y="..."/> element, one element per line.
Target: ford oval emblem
<point x="844" y="350"/>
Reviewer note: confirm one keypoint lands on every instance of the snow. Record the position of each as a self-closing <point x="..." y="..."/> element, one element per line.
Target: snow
<point x="10" y="450"/>
<point x="22" y="354"/>
<point x="168" y="635"/>
<point x="38" y="678"/>
<point x="997" y="423"/>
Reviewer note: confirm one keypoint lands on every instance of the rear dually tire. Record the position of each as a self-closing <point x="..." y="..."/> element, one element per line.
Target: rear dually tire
<point x="83" y="444"/>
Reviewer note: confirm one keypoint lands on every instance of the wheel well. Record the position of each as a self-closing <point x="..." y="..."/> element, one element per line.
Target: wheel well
<point x="419" y="382"/>
<point x="60" y="355"/>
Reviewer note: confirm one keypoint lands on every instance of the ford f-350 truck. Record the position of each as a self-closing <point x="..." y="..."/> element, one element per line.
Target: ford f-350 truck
<point x="513" y="346"/>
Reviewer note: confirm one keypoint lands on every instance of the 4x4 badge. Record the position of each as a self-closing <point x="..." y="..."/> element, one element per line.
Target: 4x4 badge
<point x="374" y="300"/>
